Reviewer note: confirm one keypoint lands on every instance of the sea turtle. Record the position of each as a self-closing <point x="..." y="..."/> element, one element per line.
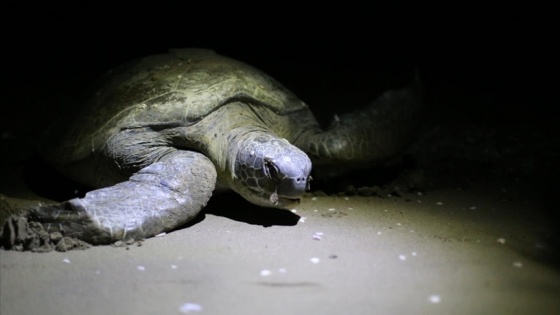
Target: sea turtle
<point x="163" y="132"/>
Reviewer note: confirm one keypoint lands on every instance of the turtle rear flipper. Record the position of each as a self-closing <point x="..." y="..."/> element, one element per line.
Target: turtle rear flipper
<point x="158" y="198"/>
<point x="369" y="136"/>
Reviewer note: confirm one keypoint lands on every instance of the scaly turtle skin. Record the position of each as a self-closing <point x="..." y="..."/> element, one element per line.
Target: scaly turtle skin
<point x="165" y="131"/>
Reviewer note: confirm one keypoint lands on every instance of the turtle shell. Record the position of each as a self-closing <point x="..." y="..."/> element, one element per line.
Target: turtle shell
<point x="164" y="91"/>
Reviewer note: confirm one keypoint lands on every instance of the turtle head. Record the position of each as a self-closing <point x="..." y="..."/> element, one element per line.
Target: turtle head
<point x="271" y="172"/>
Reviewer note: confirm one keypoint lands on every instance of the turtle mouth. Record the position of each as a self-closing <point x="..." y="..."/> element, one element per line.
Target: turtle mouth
<point x="288" y="202"/>
<point x="288" y="193"/>
<point x="283" y="201"/>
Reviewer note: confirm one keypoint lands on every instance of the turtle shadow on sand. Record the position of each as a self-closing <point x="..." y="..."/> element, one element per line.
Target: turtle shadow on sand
<point x="232" y="206"/>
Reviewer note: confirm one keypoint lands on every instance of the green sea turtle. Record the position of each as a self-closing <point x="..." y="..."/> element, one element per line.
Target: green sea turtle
<point x="165" y="131"/>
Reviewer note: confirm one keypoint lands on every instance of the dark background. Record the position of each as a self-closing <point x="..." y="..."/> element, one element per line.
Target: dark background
<point x="336" y="57"/>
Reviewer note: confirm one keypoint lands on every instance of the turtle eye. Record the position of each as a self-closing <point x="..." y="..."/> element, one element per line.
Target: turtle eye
<point x="271" y="170"/>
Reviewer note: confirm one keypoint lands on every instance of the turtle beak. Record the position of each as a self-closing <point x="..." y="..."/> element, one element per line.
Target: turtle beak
<point x="290" y="179"/>
<point x="290" y="190"/>
<point x="292" y="187"/>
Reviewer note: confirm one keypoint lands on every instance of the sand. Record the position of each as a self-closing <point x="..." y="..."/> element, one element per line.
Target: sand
<point x="449" y="251"/>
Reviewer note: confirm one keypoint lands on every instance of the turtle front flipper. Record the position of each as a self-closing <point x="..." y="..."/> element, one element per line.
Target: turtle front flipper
<point x="158" y="198"/>
<point x="369" y="136"/>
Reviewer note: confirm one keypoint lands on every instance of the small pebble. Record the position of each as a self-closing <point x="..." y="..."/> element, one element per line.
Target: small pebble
<point x="315" y="260"/>
<point x="472" y="208"/>
<point x="439" y="203"/>
<point x="173" y="266"/>
<point x="302" y="219"/>
<point x="413" y="253"/>
<point x="294" y="210"/>
<point x="190" y="307"/>
<point x="314" y="198"/>
<point x="346" y="198"/>
<point x="265" y="273"/>
<point x="66" y="260"/>
<point x="282" y="270"/>
<point x="434" y="298"/>
<point x="141" y="268"/>
<point x="332" y="209"/>
<point x="161" y="234"/>
<point x="518" y="264"/>
<point x="402" y="257"/>
<point x="501" y="240"/>
<point x="378" y="233"/>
